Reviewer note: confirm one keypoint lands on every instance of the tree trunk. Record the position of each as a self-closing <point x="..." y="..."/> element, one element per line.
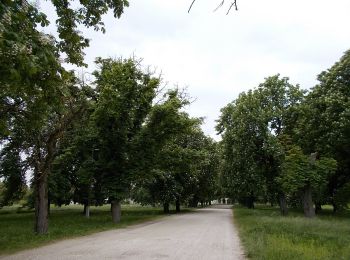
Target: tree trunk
<point x="48" y="206"/>
<point x="202" y="204"/>
<point x="87" y="210"/>
<point x="309" y="210"/>
<point x="335" y="207"/>
<point x="193" y="203"/>
<point x="166" y="207"/>
<point x="116" y="211"/>
<point x="250" y="203"/>
<point x="178" y="205"/>
<point x="318" y="207"/>
<point x="283" y="204"/>
<point x="41" y="204"/>
<point x="209" y="202"/>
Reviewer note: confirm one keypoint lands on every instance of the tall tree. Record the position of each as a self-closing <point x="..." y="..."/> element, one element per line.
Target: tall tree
<point x="125" y="95"/>
<point x="39" y="98"/>
<point x="325" y="125"/>
<point x="251" y="128"/>
<point x="280" y="102"/>
<point x="243" y="130"/>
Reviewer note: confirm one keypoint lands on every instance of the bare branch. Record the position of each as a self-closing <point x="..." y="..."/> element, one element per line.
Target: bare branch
<point x="233" y="4"/>
<point x="189" y="9"/>
<point x="221" y="4"/>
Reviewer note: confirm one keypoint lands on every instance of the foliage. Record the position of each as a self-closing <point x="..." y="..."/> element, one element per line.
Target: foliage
<point x="13" y="175"/>
<point x="325" y="124"/>
<point x="177" y="158"/>
<point x="251" y="126"/>
<point x="243" y="132"/>
<point x="298" y="171"/>
<point x="70" y="40"/>
<point x="125" y="95"/>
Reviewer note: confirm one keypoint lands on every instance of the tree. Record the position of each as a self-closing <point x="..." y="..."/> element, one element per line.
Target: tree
<point x="75" y="169"/>
<point x="171" y="143"/>
<point x="243" y="130"/>
<point x="305" y="174"/>
<point x="280" y="102"/>
<point x="125" y="95"/>
<point x="13" y="174"/>
<point x="252" y="126"/>
<point x="325" y="124"/>
<point x="204" y="188"/>
<point x="39" y="98"/>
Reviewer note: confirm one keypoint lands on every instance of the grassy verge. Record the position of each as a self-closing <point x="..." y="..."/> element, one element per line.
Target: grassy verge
<point x="16" y="225"/>
<point x="267" y="235"/>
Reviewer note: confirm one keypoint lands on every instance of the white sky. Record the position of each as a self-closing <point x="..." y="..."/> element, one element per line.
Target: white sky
<point x="218" y="56"/>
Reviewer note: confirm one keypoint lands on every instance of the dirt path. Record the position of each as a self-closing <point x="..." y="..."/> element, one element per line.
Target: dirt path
<point x="204" y="234"/>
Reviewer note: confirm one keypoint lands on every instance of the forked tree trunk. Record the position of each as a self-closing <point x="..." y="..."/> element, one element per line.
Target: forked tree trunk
<point x="177" y="204"/>
<point x="41" y="204"/>
<point x="116" y="211"/>
<point x="309" y="210"/>
<point x="166" y="207"/>
<point x="283" y="204"/>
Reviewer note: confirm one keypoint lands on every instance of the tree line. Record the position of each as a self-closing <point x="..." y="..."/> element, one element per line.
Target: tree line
<point x="117" y="138"/>
<point x="282" y="144"/>
<point x="120" y="137"/>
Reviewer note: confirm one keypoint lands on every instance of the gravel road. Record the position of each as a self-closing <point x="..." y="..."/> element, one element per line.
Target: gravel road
<point x="203" y="234"/>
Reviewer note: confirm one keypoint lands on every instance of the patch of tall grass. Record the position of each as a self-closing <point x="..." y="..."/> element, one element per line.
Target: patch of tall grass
<point x="265" y="234"/>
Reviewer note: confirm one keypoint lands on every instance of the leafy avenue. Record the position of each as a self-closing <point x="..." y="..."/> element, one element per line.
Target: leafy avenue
<point x="122" y="137"/>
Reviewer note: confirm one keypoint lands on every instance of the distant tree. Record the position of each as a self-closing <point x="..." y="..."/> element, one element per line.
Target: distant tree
<point x="156" y="146"/>
<point x="12" y="172"/>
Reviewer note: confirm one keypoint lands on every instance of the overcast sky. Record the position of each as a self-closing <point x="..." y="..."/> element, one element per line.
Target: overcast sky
<point x="217" y="56"/>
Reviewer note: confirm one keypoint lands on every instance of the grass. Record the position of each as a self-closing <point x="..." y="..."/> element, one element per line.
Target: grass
<point x="267" y="235"/>
<point x="16" y="224"/>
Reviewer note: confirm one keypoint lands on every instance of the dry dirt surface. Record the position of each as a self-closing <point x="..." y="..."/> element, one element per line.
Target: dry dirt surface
<point x="203" y="234"/>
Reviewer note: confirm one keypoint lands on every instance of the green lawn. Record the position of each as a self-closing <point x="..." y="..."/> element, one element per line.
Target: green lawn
<point x="267" y="235"/>
<point x="16" y="225"/>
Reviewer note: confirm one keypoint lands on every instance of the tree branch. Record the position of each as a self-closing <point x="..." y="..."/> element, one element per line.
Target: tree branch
<point x="221" y="4"/>
<point x="189" y="9"/>
<point x="232" y="4"/>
